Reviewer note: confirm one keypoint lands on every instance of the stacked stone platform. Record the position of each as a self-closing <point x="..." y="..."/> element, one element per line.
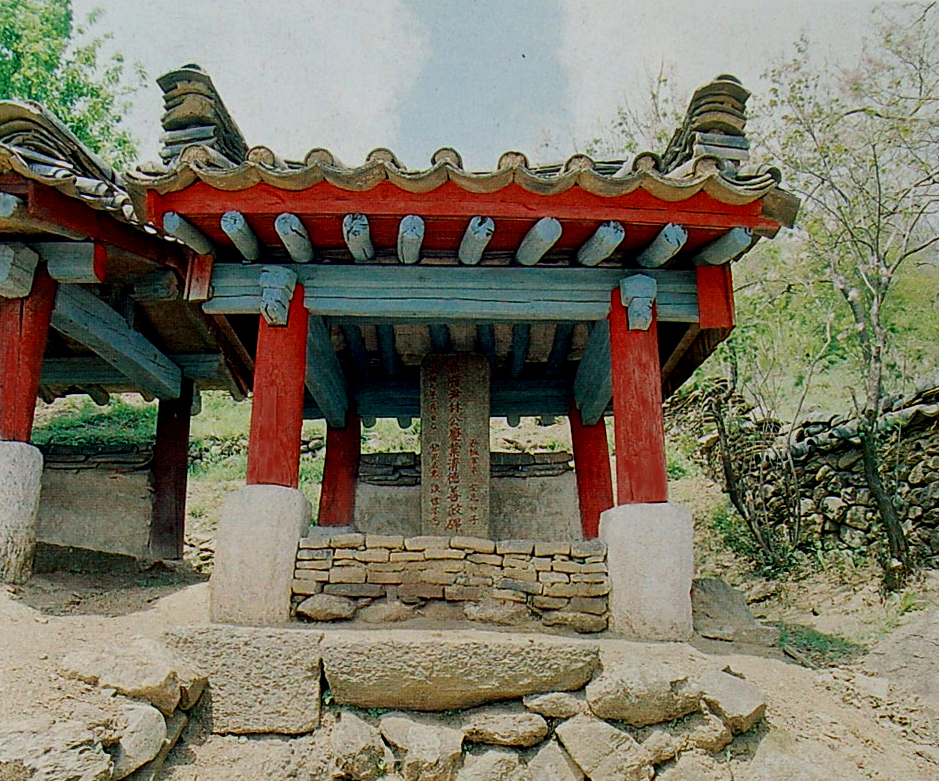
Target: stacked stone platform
<point x="562" y="583"/>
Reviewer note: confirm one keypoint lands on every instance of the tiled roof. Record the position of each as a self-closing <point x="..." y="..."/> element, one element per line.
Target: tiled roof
<point x="38" y="146"/>
<point x="705" y="154"/>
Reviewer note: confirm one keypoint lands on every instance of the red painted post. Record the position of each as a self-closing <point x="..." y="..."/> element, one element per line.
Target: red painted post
<point x="340" y="472"/>
<point x="637" y="410"/>
<point x="592" y="470"/>
<point x="277" y="409"/>
<point x="24" y="329"/>
<point x="715" y="297"/>
<point x="170" y="475"/>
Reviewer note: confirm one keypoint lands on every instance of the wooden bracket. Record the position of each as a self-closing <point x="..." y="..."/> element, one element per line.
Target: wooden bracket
<point x="277" y="286"/>
<point x="17" y="268"/>
<point x="199" y="278"/>
<point x="638" y="293"/>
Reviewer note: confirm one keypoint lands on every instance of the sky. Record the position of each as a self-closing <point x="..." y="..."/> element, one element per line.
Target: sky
<point x="543" y="77"/>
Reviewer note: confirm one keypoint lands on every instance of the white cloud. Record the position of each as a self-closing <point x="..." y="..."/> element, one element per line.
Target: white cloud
<point x="294" y="75"/>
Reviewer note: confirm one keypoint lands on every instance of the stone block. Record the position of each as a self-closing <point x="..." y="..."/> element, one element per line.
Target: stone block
<point x="385" y="578"/>
<point x="255" y="550"/>
<point x="552" y="763"/>
<point x="347" y="540"/>
<point x="347" y="575"/>
<point x="650" y="556"/>
<point x="406" y="556"/>
<point x="503" y="725"/>
<point x="412" y="592"/>
<point x="357" y="590"/>
<point x="317" y="575"/>
<point x="526" y="575"/>
<point x="585" y="548"/>
<point x="553" y="577"/>
<point x="565" y="565"/>
<point x="327" y="607"/>
<point x="437" y="670"/>
<point x="430" y="751"/>
<point x="739" y="703"/>
<point x="306" y="587"/>
<point x="556" y="705"/>
<point x="524" y="547"/>
<point x="444" y="553"/>
<point x="424" y="541"/>
<point x="463" y="593"/>
<point x="552" y="548"/>
<point x="525" y="587"/>
<point x="371" y="555"/>
<point x="492" y="559"/>
<point x="389" y="541"/>
<point x="477" y="544"/>
<point x="585" y="623"/>
<point x="261" y="680"/>
<point x="20" y="481"/>
<point x="509" y="595"/>
<point x="321" y="564"/>
<point x="549" y="603"/>
<point x="596" y="605"/>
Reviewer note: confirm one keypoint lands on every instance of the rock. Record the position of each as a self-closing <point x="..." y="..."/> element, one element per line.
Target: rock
<point x="505" y="725"/>
<point x="555" y="705"/>
<point x="552" y="763"/>
<point x="642" y="691"/>
<point x="703" y="731"/>
<point x="175" y="725"/>
<point x="494" y="765"/>
<point x="585" y="623"/>
<point x="774" y="761"/>
<point x="497" y="611"/>
<point x="720" y="612"/>
<point x="326" y="607"/>
<point x="603" y="752"/>
<point x="144" y="669"/>
<point x="696" y="766"/>
<point x="739" y="704"/>
<point x="45" y="750"/>
<point x="260" y="679"/>
<point x="141" y="740"/>
<point x="437" y="670"/>
<point x="917" y="475"/>
<point x="428" y="751"/>
<point x="659" y="746"/>
<point x="386" y="613"/>
<point x="357" y="749"/>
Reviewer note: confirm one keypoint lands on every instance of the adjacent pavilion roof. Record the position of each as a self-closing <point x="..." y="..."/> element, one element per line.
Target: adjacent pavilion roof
<point x="517" y="263"/>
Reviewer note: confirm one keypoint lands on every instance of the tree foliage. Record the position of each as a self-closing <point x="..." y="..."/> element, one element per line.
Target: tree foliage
<point x="47" y="58"/>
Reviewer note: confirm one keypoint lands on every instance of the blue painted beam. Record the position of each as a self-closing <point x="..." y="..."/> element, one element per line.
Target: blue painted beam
<point x="324" y="377"/>
<point x="387" y="351"/>
<point x="560" y="348"/>
<point x="521" y="337"/>
<point x="486" y="342"/>
<point x="356" y="342"/>
<point x="593" y="384"/>
<point x="440" y="338"/>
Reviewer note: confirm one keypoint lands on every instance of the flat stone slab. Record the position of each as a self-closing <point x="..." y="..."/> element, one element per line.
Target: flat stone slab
<point x="260" y="679"/>
<point x="437" y="671"/>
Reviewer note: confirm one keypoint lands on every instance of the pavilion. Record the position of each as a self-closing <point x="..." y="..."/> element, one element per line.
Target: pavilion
<point x="349" y="294"/>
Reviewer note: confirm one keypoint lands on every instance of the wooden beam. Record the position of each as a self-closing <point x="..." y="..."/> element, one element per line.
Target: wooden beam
<point x="475" y="239"/>
<point x="440" y="340"/>
<point x="17" y="267"/>
<point x="356" y="234"/>
<point x="235" y="226"/>
<point x="387" y="350"/>
<point x="602" y="244"/>
<point x="324" y="378"/>
<point x="208" y="368"/>
<point x="199" y="278"/>
<point x="729" y="246"/>
<point x="540" y="238"/>
<point x="410" y="238"/>
<point x="592" y="471"/>
<point x="277" y="409"/>
<point x="715" y="296"/>
<point x="486" y="341"/>
<point x="277" y="288"/>
<point x="641" y="476"/>
<point x="521" y="338"/>
<point x="340" y="473"/>
<point x="75" y="262"/>
<point x="666" y="245"/>
<point x="356" y="342"/>
<point x="188" y="234"/>
<point x="593" y="383"/>
<point x="158" y="286"/>
<point x="24" y="329"/>
<point x="15" y="218"/>
<point x="295" y="237"/>
<point x="82" y="316"/>
<point x="560" y="348"/>
<point x="170" y="475"/>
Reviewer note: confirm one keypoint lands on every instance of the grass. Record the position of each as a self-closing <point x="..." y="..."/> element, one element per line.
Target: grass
<point x="120" y="423"/>
<point x="819" y="648"/>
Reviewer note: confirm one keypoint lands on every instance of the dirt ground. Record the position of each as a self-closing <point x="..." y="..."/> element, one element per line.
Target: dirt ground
<point x="851" y="722"/>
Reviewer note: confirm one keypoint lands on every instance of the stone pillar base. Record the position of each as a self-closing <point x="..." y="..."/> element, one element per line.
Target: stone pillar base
<point x="20" y="479"/>
<point x="650" y="555"/>
<point x="255" y="550"/>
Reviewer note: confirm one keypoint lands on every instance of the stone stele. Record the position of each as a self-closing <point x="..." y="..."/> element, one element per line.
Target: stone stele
<point x="455" y="445"/>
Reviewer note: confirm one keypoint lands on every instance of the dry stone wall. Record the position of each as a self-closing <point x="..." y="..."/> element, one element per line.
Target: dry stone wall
<point x="561" y="583"/>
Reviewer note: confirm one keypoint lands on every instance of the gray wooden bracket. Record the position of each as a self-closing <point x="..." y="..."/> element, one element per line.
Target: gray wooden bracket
<point x="17" y="267"/>
<point x="277" y="286"/>
<point x="638" y="294"/>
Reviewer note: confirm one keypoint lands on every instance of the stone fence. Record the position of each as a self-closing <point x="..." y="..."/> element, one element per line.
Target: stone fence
<point x="834" y="501"/>
<point x="563" y="584"/>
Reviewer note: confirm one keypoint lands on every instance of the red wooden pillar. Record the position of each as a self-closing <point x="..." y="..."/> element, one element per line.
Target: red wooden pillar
<point x="715" y="297"/>
<point x="171" y="474"/>
<point x="24" y="329"/>
<point x="340" y="472"/>
<point x="277" y="409"/>
<point x="637" y="410"/>
<point x="592" y="470"/>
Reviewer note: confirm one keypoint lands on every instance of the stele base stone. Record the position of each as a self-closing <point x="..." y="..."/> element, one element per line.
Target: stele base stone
<point x="650" y="556"/>
<point x="20" y="480"/>
<point x="255" y="548"/>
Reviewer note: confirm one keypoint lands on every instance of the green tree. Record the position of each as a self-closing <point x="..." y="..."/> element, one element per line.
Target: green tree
<point x="861" y="147"/>
<point x="47" y="58"/>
